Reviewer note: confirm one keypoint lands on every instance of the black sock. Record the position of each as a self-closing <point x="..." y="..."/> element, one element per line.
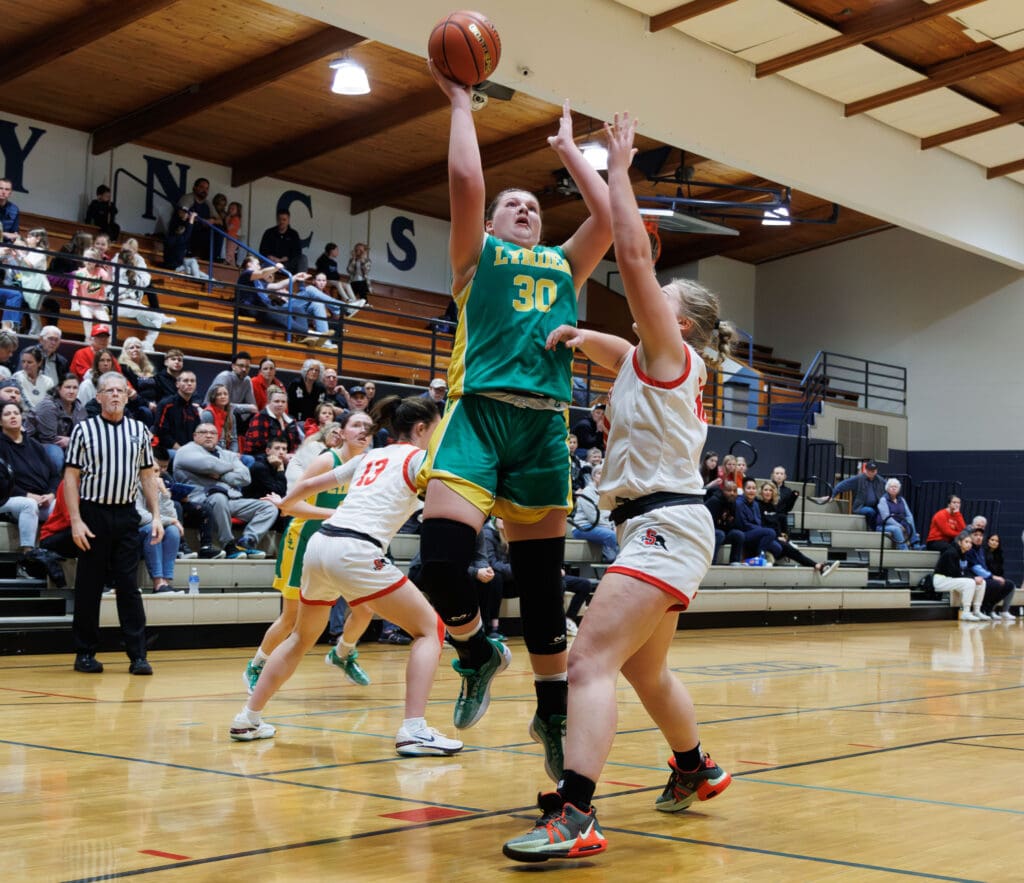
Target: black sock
<point x="552" y="698"/>
<point x="577" y="790"/>
<point x="474" y="650"/>
<point x="688" y="761"/>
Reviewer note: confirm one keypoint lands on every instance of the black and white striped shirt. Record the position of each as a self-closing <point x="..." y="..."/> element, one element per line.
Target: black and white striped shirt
<point x="110" y="456"/>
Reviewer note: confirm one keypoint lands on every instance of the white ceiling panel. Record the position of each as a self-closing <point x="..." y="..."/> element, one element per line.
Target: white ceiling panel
<point x="651" y="7"/>
<point x="1017" y="176"/>
<point x="992" y="148"/>
<point x="756" y="29"/>
<point x="995" y="18"/>
<point x="1012" y="42"/>
<point x="932" y="112"/>
<point x="854" y="73"/>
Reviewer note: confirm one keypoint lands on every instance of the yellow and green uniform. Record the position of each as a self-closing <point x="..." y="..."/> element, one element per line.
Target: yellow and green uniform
<point x="503" y="442"/>
<point x="290" y="554"/>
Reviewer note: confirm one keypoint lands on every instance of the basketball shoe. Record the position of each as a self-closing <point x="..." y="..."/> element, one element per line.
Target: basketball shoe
<point x="475" y="695"/>
<point x="562" y="831"/>
<point x="348" y="666"/>
<point x="425" y="742"/>
<point x="707" y="781"/>
<point x="244" y="730"/>
<point x="252" y="674"/>
<point x="551" y="734"/>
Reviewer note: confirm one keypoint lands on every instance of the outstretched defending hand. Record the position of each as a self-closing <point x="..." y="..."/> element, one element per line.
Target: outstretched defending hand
<point x="620" y="133"/>
<point x="564" y="139"/>
<point x="569" y="335"/>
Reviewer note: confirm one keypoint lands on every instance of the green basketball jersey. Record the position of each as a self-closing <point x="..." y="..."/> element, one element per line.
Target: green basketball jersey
<point x="516" y="298"/>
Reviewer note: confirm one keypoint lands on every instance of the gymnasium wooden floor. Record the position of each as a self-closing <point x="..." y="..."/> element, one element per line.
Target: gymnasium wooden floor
<point x="859" y="752"/>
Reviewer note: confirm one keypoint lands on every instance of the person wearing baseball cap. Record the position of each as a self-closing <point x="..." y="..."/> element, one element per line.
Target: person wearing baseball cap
<point x="437" y="392"/>
<point x="99" y="339"/>
<point x="868" y="489"/>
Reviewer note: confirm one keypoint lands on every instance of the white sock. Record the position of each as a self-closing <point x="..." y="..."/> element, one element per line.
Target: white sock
<point x="342" y="649"/>
<point x="254" y="716"/>
<point x="260" y="657"/>
<point x="414" y="724"/>
<point x="561" y="676"/>
<point x="468" y="635"/>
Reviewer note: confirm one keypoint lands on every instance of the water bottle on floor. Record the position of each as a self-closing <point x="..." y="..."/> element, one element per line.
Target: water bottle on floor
<point x="193" y="581"/>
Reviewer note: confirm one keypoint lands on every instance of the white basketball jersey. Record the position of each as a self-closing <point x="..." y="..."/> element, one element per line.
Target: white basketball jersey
<point x="656" y="432"/>
<point x="381" y="491"/>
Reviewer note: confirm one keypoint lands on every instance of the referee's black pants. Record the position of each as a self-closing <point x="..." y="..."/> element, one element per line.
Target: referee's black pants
<point x="114" y="551"/>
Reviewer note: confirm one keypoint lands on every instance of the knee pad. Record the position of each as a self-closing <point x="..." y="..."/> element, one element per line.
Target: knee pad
<point x="446" y="550"/>
<point x="537" y="568"/>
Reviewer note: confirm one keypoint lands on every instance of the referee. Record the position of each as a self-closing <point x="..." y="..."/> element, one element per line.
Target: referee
<point x="107" y="457"/>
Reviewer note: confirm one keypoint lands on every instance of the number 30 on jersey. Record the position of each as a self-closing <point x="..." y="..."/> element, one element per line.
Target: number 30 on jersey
<point x="533" y="294"/>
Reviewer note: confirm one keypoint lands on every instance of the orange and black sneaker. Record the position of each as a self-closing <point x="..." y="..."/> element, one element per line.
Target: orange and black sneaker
<point x="562" y="831"/>
<point x="707" y="781"/>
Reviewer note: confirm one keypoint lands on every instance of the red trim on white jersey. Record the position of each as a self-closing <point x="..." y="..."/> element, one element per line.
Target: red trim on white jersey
<point x="684" y="602"/>
<point x="380" y="594"/>
<point x="661" y="384"/>
<point x="405" y="470"/>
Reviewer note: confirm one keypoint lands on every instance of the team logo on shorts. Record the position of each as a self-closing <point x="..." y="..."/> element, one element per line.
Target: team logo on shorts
<point x="379" y="563"/>
<point x="652" y="538"/>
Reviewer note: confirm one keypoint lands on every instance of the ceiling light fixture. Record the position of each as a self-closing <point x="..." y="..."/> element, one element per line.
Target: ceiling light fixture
<point x="349" y="78"/>
<point x="776" y="217"/>
<point x="596" y="155"/>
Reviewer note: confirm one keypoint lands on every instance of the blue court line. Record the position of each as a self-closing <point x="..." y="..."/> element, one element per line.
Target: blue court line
<point x="253" y="777"/>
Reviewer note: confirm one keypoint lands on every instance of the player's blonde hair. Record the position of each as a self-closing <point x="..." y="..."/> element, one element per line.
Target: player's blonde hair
<point x="700" y="305"/>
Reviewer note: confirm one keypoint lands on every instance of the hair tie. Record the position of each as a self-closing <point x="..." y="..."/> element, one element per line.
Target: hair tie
<point x="718" y="324"/>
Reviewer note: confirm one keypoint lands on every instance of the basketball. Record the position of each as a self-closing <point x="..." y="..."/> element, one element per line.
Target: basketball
<point x="465" y="47"/>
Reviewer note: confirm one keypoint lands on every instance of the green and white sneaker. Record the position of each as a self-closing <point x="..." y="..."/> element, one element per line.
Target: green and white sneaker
<point x="252" y="675"/>
<point x="349" y="667"/>
<point x="551" y="734"/>
<point x="475" y="695"/>
<point x="562" y="831"/>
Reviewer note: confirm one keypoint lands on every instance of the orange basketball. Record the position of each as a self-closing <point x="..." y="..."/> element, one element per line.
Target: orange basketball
<point x="465" y="47"/>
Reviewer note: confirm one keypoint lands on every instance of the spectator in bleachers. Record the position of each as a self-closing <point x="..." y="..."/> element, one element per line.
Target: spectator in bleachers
<point x="306" y="391"/>
<point x="219" y="219"/>
<point x="594" y="458"/>
<point x="9" y="215"/>
<point x="218" y="477"/>
<point x="62" y="268"/>
<point x="994" y="562"/>
<point x="953" y="574"/>
<point x="10" y="391"/>
<point x="82" y="360"/>
<point x="101" y="245"/>
<point x="768" y="507"/>
<point x="317" y="307"/>
<point x="358" y="270"/>
<point x="178" y="416"/>
<point x="240" y="387"/>
<point x="267" y="473"/>
<point x="329" y="436"/>
<point x="998" y="589"/>
<point x="590" y="523"/>
<point x="358" y="400"/>
<point x="334" y="394"/>
<point x="233" y="227"/>
<point x="55" y="366"/>
<point x="895" y="517"/>
<point x="133" y="280"/>
<point x="260" y="299"/>
<point x="727" y="471"/>
<point x="177" y="240"/>
<point x="281" y="245"/>
<point x="54" y="418"/>
<point x="709" y="471"/>
<point x="327" y="264"/>
<point x="11" y="298"/>
<point x="757" y="539"/>
<point x="741" y="471"/>
<point x="266" y="377"/>
<point x="140" y="372"/>
<point x="34" y="478"/>
<point x="945" y="526"/>
<point x="502" y="582"/>
<point x="167" y="377"/>
<point x="590" y="430"/>
<point x="722" y="505"/>
<point x="102" y="363"/>
<point x="787" y="496"/>
<point x="868" y="489"/>
<point x="322" y="416"/>
<point x="272" y="422"/>
<point x="160" y="558"/>
<point x="29" y="271"/>
<point x="437" y="392"/>
<point x="577" y="476"/>
<point x="102" y="212"/>
<point x="92" y="290"/>
<point x="8" y="346"/>
<point x="33" y="383"/>
<point x="219" y="412"/>
<point x="197" y="205"/>
<point x="370" y="388"/>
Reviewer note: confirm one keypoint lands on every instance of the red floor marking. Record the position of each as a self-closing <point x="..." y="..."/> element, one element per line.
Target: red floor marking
<point x="425" y="814"/>
<point x="862" y="745"/>
<point x="55" y="695"/>
<point x="624" y="784"/>
<point x="159" y="854"/>
<point x="756" y="762"/>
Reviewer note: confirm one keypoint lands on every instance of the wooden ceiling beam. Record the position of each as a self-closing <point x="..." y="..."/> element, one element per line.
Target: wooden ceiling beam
<point x="425" y="177"/>
<point x="60" y="39"/>
<point x="866" y="28"/>
<point x="1005" y="169"/>
<point x="939" y="75"/>
<point x="683" y="12"/>
<point x="223" y="87"/>
<point x="310" y="145"/>
<point x="1013" y="113"/>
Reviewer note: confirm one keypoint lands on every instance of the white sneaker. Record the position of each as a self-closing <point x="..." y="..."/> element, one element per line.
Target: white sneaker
<point x="571" y="628"/>
<point x="828" y="568"/>
<point x="1009" y="617"/>
<point x="329" y="345"/>
<point x="244" y="730"/>
<point x="982" y="616"/>
<point x="967" y="616"/>
<point x="427" y="742"/>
